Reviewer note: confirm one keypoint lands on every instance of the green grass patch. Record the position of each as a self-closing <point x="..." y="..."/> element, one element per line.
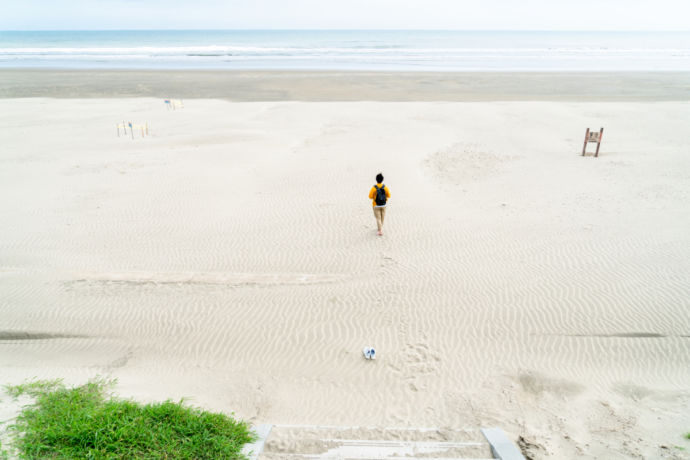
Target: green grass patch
<point x="85" y="423"/>
<point x="3" y="454"/>
<point x="33" y="388"/>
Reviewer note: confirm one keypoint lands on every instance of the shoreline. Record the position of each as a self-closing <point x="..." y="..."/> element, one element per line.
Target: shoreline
<point x="343" y="86"/>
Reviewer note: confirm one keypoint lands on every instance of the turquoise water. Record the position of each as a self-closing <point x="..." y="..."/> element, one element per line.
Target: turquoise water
<point x="349" y="50"/>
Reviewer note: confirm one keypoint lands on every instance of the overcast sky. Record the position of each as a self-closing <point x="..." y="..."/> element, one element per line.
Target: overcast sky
<point x="346" y="14"/>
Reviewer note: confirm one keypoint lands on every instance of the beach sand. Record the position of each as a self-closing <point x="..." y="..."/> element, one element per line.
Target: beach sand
<point x="231" y="258"/>
<point x="331" y="86"/>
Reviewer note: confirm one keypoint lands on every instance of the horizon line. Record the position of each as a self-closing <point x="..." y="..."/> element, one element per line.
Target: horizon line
<point x="342" y="30"/>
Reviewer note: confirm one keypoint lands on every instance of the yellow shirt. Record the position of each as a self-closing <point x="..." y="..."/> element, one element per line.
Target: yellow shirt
<point x="372" y="194"/>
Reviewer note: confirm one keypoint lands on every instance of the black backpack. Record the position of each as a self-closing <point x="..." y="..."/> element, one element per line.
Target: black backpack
<point x="380" y="195"/>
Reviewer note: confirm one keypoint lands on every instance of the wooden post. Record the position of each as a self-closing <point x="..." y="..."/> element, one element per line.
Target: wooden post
<point x="601" y="134"/>
<point x="584" y="147"/>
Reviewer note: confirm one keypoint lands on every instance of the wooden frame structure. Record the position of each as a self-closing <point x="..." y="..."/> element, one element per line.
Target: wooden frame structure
<point x="174" y="104"/>
<point x="132" y="127"/>
<point x="593" y="136"/>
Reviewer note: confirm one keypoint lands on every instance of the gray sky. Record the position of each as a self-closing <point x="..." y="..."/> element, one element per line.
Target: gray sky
<point x="346" y="14"/>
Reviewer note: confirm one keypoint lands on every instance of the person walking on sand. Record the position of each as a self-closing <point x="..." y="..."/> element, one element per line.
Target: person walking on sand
<point x="379" y="195"/>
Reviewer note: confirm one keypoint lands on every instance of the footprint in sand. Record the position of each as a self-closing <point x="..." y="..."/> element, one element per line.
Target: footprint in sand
<point x="417" y="366"/>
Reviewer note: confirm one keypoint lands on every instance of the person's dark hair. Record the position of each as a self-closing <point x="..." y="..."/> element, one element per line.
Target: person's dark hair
<point x="379" y="178"/>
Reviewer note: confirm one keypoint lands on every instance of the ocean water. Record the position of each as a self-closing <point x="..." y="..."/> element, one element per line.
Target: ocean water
<point x="348" y="50"/>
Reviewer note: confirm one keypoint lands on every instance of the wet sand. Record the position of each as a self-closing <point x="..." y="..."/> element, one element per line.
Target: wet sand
<point x="246" y="86"/>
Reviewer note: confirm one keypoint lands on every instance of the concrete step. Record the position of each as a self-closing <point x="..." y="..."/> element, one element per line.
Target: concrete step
<point x="362" y="443"/>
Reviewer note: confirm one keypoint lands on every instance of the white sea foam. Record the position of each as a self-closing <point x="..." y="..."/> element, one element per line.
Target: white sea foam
<point x="365" y="50"/>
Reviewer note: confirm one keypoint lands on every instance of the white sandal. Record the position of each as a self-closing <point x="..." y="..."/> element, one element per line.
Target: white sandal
<point x="369" y="353"/>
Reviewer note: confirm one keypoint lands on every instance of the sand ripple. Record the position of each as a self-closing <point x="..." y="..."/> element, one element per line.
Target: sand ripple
<point x="244" y="270"/>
